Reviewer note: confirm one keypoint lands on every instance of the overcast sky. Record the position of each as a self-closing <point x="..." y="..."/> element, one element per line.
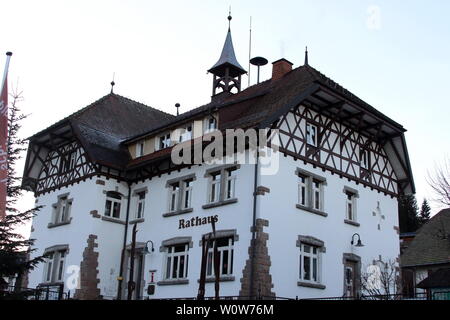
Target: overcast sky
<point x="395" y="55"/>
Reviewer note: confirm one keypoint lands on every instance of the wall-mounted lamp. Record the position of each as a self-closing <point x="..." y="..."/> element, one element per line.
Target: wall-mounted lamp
<point x="359" y="243"/>
<point x="146" y="247"/>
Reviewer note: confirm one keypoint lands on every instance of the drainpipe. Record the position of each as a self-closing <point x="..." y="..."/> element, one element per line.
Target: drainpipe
<point x="122" y="257"/>
<point x="252" y="258"/>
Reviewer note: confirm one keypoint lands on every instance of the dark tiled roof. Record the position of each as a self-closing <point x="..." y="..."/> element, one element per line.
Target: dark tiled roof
<point x="438" y="279"/>
<point x="431" y="244"/>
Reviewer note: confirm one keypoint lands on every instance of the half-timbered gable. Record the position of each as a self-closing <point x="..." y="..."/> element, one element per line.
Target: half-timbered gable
<point x="63" y="166"/>
<point x="310" y="136"/>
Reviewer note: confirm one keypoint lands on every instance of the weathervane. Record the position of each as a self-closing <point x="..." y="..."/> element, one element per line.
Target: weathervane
<point x="229" y="19"/>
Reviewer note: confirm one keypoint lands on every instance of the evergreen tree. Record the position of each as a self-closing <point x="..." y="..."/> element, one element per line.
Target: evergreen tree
<point x="14" y="248"/>
<point x="408" y="211"/>
<point x="425" y="212"/>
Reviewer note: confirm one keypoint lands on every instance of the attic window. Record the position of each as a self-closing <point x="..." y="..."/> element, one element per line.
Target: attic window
<point x="311" y="134"/>
<point x="210" y="124"/>
<point x="364" y="159"/>
<point x="140" y="148"/>
<point x="186" y="133"/>
<point x="164" y="141"/>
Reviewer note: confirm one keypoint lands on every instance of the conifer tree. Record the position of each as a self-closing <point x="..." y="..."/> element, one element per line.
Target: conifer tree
<point x="425" y="212"/>
<point x="14" y="247"/>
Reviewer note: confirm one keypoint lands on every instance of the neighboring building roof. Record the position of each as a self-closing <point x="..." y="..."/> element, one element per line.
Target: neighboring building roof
<point x="438" y="279"/>
<point x="431" y="245"/>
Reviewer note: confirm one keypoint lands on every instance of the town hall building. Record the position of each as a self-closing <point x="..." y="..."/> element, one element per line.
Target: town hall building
<point x="105" y="176"/>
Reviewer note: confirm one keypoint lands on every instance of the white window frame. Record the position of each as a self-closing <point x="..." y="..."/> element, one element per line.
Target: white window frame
<point x="364" y="158"/>
<point x="209" y="262"/>
<point x="186" y="190"/>
<point x="170" y="261"/>
<point x="303" y="190"/>
<point x="186" y="133"/>
<point x="214" y="187"/>
<point x="311" y="134"/>
<point x="140" y="206"/>
<point x="351" y="196"/>
<point x="311" y="255"/>
<point x="54" y="266"/>
<point x="114" y="202"/>
<point x="174" y="195"/>
<point x="317" y="194"/>
<point x="73" y="160"/>
<point x="208" y="125"/>
<point x="163" y="143"/>
<point x="140" y="146"/>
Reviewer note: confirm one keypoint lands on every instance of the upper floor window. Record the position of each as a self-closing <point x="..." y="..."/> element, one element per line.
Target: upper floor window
<point x="180" y="194"/>
<point x="310" y="190"/>
<point x="140" y="205"/>
<point x="140" y="148"/>
<point x="61" y="210"/>
<point x="54" y="265"/>
<point x="222" y="185"/>
<point x="177" y="259"/>
<point x="350" y="203"/>
<point x="186" y="133"/>
<point x="113" y="203"/>
<point x="311" y="134"/>
<point x="225" y="248"/>
<point x="164" y="141"/>
<point x="210" y="124"/>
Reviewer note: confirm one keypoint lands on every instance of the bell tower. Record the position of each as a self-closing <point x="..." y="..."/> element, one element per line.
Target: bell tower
<point x="227" y="71"/>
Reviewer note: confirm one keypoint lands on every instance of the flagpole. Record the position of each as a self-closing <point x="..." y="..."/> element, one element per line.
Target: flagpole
<point x="5" y="73"/>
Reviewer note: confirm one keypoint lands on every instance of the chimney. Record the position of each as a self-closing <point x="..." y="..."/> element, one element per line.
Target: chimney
<point x="280" y="68"/>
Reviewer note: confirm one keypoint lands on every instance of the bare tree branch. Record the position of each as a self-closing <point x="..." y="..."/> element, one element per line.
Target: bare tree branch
<point x="439" y="181"/>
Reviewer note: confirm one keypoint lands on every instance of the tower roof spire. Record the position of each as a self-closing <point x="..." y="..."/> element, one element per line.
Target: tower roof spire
<point x="227" y="57"/>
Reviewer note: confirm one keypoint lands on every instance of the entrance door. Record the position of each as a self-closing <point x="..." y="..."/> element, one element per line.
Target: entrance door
<point x="350" y="279"/>
<point x="138" y="279"/>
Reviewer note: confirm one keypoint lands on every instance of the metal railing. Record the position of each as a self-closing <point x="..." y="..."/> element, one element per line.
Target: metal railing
<point x="39" y="293"/>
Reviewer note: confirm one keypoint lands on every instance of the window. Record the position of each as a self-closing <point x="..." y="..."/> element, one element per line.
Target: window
<point x="310" y="190"/>
<point x="61" y="210"/>
<point x="210" y="124"/>
<point x="112" y="205"/>
<point x="164" y="141"/>
<point x="302" y="190"/>
<point x="67" y="161"/>
<point x="140" y="148"/>
<point x="351" y="214"/>
<point x="222" y="185"/>
<point x="311" y="134"/>
<point x="350" y="204"/>
<point x="364" y="159"/>
<point x="173" y="196"/>
<point x="140" y="205"/>
<point x="180" y="193"/>
<point x="186" y="133"/>
<point x="54" y="265"/>
<point x="187" y="194"/>
<point x="317" y="194"/>
<point x="177" y="260"/>
<point x="309" y="263"/>
<point x="225" y="251"/>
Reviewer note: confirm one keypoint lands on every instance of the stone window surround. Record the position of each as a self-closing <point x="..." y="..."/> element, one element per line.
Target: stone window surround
<point x="54" y="249"/>
<point x="179" y="180"/>
<point x="356" y="195"/>
<point x="311" y="176"/>
<point x="172" y="242"/>
<point x="208" y="174"/>
<point x="56" y="209"/>
<point x="309" y="240"/>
